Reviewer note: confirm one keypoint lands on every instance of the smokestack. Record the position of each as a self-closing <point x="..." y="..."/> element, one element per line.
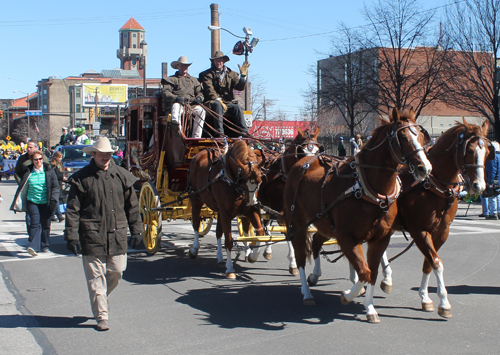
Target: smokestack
<point x="215" y="34"/>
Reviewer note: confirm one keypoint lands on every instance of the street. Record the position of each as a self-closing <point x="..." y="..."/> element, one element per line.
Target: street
<point x="171" y="304"/>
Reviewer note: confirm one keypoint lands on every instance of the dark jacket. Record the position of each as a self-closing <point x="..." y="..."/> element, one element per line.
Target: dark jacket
<point x="67" y="139"/>
<point x="101" y="205"/>
<point x="50" y="180"/>
<point x="214" y="88"/>
<point x="187" y="87"/>
<point x="22" y="163"/>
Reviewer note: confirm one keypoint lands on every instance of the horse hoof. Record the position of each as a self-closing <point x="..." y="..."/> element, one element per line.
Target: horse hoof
<point x="293" y="271"/>
<point x="372" y="318"/>
<point x="384" y="286"/>
<point x="231" y="275"/>
<point x="310" y="281"/>
<point x="192" y="255"/>
<point x="309" y="302"/>
<point x="267" y="255"/>
<point x="344" y="300"/>
<point x="251" y="261"/>
<point x="445" y="313"/>
<point x="246" y="259"/>
<point x="428" y="307"/>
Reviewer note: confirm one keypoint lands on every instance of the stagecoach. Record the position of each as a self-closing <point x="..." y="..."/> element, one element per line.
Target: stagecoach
<point x="159" y="156"/>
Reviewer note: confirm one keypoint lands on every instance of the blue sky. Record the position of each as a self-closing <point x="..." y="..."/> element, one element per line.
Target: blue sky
<point x="49" y="38"/>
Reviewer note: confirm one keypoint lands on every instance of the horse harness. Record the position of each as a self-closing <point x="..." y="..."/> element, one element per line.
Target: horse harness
<point x="360" y="189"/>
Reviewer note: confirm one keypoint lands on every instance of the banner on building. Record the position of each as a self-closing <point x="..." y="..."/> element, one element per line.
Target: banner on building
<point x="104" y="95"/>
<point x="277" y="129"/>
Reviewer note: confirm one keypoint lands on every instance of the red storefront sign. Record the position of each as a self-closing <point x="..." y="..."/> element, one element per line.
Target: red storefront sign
<point x="277" y="129"/>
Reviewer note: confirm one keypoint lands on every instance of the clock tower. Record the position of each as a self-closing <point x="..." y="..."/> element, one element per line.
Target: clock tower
<point x="133" y="50"/>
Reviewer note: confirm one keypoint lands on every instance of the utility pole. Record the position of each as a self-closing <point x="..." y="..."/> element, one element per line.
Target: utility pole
<point x="215" y="34"/>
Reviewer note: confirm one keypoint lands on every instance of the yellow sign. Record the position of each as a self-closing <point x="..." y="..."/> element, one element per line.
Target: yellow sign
<point x="104" y="95"/>
<point x="8" y="138"/>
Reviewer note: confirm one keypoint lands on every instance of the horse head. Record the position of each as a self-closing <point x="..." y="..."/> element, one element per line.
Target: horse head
<point x="246" y="168"/>
<point x="473" y="154"/>
<point x="407" y="140"/>
<point x="303" y="145"/>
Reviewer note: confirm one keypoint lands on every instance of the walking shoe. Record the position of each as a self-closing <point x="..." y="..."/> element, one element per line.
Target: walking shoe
<point x="61" y="218"/>
<point x="102" y="325"/>
<point x="53" y="219"/>
<point x="493" y="216"/>
<point x="32" y="251"/>
<point x="46" y="250"/>
<point x="482" y="215"/>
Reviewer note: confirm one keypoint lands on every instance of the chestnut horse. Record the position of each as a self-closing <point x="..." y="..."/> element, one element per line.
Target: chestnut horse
<point x="227" y="184"/>
<point x="274" y="171"/>
<point x="426" y="210"/>
<point x="352" y="200"/>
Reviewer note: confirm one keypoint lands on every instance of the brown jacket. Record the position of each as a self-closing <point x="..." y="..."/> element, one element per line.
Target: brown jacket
<point x="187" y="87"/>
<point x="214" y="88"/>
<point x="101" y="205"/>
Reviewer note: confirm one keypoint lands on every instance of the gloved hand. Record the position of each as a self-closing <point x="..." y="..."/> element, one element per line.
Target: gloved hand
<point x="179" y="99"/>
<point x="196" y="101"/>
<point x="135" y="240"/>
<point x="244" y="68"/>
<point x="224" y="106"/>
<point x="52" y="205"/>
<point x="73" y="246"/>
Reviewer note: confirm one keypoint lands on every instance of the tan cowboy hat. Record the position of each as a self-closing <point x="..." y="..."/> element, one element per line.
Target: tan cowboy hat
<point x="101" y="145"/>
<point x="219" y="54"/>
<point x="182" y="60"/>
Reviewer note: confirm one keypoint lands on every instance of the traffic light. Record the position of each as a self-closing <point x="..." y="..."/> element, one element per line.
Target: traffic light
<point x="91" y="113"/>
<point x="1" y="115"/>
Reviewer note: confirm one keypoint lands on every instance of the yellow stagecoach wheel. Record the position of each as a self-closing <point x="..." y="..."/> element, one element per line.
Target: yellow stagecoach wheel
<point x="151" y="220"/>
<point x="205" y="226"/>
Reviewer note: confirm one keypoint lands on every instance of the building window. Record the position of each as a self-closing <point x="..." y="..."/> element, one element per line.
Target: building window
<point x="134" y="46"/>
<point x="125" y="35"/>
<point x="78" y="108"/>
<point x="134" y="35"/>
<point x="77" y="94"/>
<point x="45" y="107"/>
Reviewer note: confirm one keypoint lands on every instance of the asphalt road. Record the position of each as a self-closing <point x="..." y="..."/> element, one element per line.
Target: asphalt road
<point x="171" y="304"/>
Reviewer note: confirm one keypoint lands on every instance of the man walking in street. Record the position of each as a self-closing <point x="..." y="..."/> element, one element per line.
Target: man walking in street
<point x="25" y="160"/>
<point x="101" y="205"/>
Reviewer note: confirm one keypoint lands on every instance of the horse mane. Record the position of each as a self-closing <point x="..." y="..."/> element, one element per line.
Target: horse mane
<point x="404" y="115"/>
<point x="468" y="129"/>
<point x="240" y="151"/>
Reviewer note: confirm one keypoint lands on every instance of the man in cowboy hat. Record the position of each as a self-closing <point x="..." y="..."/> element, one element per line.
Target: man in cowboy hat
<point x="101" y="205"/>
<point x="182" y="90"/>
<point x="218" y="84"/>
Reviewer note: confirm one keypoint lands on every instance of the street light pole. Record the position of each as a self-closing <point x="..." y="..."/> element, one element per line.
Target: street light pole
<point x="144" y="46"/>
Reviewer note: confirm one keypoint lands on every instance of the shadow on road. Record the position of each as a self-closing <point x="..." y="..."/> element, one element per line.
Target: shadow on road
<point x="14" y="321"/>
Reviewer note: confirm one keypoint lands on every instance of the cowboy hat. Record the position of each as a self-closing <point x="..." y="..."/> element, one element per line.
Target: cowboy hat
<point x="219" y="54"/>
<point x="102" y="145"/>
<point x="182" y="60"/>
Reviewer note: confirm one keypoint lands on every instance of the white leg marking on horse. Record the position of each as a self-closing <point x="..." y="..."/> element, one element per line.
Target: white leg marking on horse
<point x="196" y="244"/>
<point x="306" y="292"/>
<point x="353" y="275"/>
<point x="254" y="253"/>
<point x="368" y="302"/>
<point x="441" y="291"/>
<point x="423" y="291"/>
<point x="316" y="274"/>
<point x="291" y="256"/>
<point x="386" y="269"/>
<point x="229" y="262"/>
<point x="354" y="291"/>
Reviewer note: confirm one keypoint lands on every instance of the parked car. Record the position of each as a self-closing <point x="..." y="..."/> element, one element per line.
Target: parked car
<point x="73" y="157"/>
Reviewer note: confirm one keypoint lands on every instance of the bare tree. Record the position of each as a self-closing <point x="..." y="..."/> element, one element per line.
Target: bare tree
<point x="344" y="91"/>
<point x="310" y="107"/>
<point x="408" y="57"/>
<point x="473" y="28"/>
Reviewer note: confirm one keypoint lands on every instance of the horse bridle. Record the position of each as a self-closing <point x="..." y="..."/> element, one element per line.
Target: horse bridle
<point x="460" y="139"/>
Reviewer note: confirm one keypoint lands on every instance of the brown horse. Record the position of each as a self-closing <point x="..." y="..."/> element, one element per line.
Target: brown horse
<point x="274" y="171"/>
<point x="426" y="210"/>
<point x="227" y="184"/>
<point x="352" y="200"/>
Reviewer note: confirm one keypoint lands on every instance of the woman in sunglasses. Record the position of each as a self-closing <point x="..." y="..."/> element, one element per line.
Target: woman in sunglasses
<point x="38" y="196"/>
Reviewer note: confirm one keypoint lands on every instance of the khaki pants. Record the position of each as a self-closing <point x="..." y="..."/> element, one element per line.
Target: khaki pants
<point x="103" y="274"/>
